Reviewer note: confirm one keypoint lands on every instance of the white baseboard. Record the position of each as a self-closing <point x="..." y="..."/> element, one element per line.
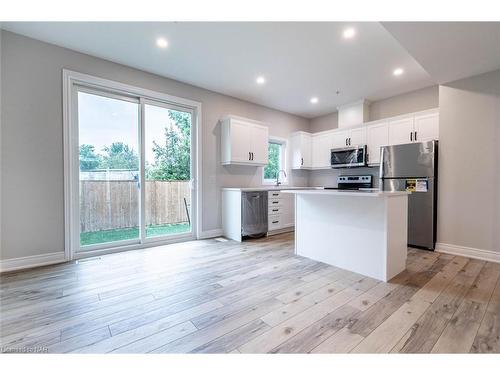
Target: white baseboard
<point x="31" y="261"/>
<point x="211" y="233"/>
<point x="469" y="252"/>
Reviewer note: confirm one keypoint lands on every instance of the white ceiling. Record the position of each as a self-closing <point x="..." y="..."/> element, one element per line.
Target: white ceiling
<point x="299" y="59"/>
<point x="450" y="50"/>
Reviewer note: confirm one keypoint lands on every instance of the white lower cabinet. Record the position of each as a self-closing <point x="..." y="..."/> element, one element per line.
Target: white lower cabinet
<point x="281" y="213"/>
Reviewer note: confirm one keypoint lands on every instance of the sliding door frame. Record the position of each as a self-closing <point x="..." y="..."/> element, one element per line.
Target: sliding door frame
<point x="72" y="79"/>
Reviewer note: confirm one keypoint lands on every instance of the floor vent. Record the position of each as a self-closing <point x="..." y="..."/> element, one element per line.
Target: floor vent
<point x="86" y="260"/>
<point x="221" y="239"/>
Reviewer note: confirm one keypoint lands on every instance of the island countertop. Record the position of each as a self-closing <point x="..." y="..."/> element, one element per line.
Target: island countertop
<point x="352" y="193"/>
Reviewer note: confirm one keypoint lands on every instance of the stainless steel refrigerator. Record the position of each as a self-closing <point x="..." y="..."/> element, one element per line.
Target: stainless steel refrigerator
<point x="413" y="167"/>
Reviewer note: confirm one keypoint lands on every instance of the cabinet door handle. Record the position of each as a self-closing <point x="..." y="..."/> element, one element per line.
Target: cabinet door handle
<point x="411" y="136"/>
<point x="275" y="210"/>
<point x="301" y="161"/>
<point x="349" y="141"/>
<point x="249" y="155"/>
<point x="275" y="222"/>
<point x="415" y="136"/>
<point x="275" y="202"/>
<point x="346" y="141"/>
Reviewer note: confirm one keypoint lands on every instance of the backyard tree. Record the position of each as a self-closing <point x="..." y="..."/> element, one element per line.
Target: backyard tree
<point x="273" y="166"/>
<point x="89" y="160"/>
<point x="172" y="156"/>
<point x="119" y="156"/>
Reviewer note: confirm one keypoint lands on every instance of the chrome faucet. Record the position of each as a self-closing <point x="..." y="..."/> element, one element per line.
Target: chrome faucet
<point x="278" y="183"/>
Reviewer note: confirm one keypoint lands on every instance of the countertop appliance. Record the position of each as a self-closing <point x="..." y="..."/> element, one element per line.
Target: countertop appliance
<point x="353" y="183"/>
<point x="254" y="214"/>
<point x="348" y="157"/>
<point x="413" y="167"/>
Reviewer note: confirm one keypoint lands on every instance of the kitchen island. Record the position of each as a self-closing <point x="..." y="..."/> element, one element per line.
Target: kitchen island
<point x="360" y="231"/>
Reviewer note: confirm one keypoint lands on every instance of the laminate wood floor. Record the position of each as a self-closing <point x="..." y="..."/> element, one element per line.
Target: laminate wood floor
<point x="256" y="297"/>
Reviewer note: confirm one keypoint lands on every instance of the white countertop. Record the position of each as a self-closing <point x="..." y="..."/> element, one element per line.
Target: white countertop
<point x="271" y="188"/>
<point x="353" y="193"/>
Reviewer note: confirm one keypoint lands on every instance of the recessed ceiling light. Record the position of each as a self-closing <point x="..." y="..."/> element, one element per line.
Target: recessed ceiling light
<point x="162" y="42"/>
<point x="314" y="100"/>
<point x="398" y="71"/>
<point x="260" y="80"/>
<point x="349" y="33"/>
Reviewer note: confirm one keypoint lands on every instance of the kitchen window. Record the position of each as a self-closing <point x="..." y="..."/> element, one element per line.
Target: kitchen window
<point x="276" y="161"/>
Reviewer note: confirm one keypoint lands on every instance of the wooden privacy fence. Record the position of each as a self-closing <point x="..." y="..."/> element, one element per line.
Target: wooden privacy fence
<point x="115" y="204"/>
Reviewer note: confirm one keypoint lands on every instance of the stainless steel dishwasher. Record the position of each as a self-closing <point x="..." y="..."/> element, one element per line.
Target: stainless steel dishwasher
<point x="254" y="214"/>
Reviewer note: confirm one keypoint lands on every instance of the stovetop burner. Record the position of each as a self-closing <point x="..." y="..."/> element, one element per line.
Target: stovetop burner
<point x="353" y="183"/>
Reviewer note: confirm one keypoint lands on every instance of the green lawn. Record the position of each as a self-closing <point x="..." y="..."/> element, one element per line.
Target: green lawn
<point x="91" y="238"/>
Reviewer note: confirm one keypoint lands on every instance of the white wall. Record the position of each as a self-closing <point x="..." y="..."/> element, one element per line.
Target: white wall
<point x="0" y="144"/>
<point x="469" y="163"/>
<point x="32" y="145"/>
<point x="326" y="122"/>
<point x="412" y="101"/>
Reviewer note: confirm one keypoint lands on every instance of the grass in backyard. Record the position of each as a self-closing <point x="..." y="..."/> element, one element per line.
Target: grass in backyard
<point x="103" y="236"/>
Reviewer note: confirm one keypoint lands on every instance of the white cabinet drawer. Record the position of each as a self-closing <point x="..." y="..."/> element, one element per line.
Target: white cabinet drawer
<point x="274" y="202"/>
<point x="274" y="210"/>
<point x="274" y="222"/>
<point x="274" y="194"/>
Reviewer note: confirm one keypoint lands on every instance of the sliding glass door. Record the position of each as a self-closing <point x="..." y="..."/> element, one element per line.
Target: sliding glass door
<point x="135" y="170"/>
<point x="167" y="155"/>
<point x="108" y="135"/>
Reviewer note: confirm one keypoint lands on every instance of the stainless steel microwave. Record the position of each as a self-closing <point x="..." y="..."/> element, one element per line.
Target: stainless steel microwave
<point x="348" y="157"/>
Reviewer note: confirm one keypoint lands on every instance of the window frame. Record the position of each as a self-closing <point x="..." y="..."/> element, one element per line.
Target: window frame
<point x="283" y="162"/>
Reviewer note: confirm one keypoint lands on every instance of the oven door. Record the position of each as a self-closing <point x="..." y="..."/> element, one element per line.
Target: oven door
<point x="348" y="157"/>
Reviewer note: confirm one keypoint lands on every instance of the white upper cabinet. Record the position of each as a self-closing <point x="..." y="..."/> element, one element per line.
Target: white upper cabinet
<point x="259" y="139"/>
<point x="357" y="136"/>
<point x="418" y="127"/>
<point x="349" y="138"/>
<point x="340" y="138"/>
<point x="301" y="150"/>
<point x="401" y="130"/>
<point x="414" y="127"/>
<point x="426" y="127"/>
<point x="243" y="142"/>
<point x="321" y="147"/>
<point x="377" y="135"/>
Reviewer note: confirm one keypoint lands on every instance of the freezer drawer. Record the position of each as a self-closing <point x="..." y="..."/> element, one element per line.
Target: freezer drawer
<point x="421" y="212"/>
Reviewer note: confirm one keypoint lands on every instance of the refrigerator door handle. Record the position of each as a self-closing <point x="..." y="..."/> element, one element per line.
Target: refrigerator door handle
<point x="381" y="167"/>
